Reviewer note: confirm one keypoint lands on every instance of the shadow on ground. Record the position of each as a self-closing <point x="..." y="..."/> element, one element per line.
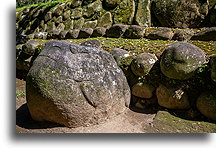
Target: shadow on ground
<point x="24" y="120"/>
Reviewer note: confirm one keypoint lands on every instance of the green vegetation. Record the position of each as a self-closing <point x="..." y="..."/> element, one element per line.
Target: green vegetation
<point x="52" y="3"/>
<point x="20" y="94"/>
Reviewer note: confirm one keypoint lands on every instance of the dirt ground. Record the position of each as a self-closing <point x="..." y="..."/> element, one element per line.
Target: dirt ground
<point x="127" y="122"/>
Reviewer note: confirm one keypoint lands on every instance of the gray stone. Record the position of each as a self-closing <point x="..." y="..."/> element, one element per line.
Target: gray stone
<point x="90" y="24"/>
<point x="116" y="31"/>
<point x="29" y="47"/>
<point x="75" y="86"/>
<point x="206" y="104"/>
<point x="183" y="35"/>
<point x="76" y="13"/>
<point x="120" y="55"/>
<point x="134" y="32"/>
<point x="142" y="64"/>
<point x="98" y="32"/>
<point x="161" y="34"/>
<point x="92" y="9"/>
<point x="180" y="13"/>
<point x="78" y="24"/>
<point x="62" y="34"/>
<point x="172" y="98"/>
<point x="92" y="43"/>
<point x="180" y="60"/>
<point x="124" y="12"/>
<point x="142" y="90"/>
<point x="85" y="33"/>
<point x="212" y="62"/>
<point x="68" y="24"/>
<point x="72" y="34"/>
<point x="54" y="34"/>
<point x="48" y="16"/>
<point x="60" y="27"/>
<point x="143" y="14"/>
<point x="205" y="35"/>
<point x="50" y="26"/>
<point x="105" y="20"/>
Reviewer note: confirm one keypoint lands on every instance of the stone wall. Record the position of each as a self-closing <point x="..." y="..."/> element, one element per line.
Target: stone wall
<point x="182" y="78"/>
<point x="77" y="14"/>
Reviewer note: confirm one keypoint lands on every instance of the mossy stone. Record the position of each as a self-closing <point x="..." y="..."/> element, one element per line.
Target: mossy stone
<point x="124" y="12"/>
<point x="76" y="13"/>
<point x="92" y="8"/>
<point x="105" y="20"/>
<point x="78" y="24"/>
<point x="90" y="24"/>
<point x="143" y="14"/>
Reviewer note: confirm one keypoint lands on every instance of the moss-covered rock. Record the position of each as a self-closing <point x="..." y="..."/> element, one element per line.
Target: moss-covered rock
<point x="180" y="60"/>
<point x="142" y="64"/>
<point x="105" y="20"/>
<point x="99" y="31"/>
<point x="124" y="12"/>
<point x="134" y="32"/>
<point x="92" y="8"/>
<point x="90" y="24"/>
<point x="78" y="24"/>
<point x="180" y="13"/>
<point x="76" y="13"/>
<point x="68" y="24"/>
<point x="182" y="35"/>
<point x="143" y="14"/>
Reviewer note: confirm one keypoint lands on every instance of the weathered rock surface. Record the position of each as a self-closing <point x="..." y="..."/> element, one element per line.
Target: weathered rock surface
<point x="116" y="31"/>
<point x="99" y="31"/>
<point x="206" y="103"/>
<point x="134" y="32"/>
<point x="183" y="35"/>
<point x="172" y="98"/>
<point x="124" y="12"/>
<point x="29" y="47"/>
<point x="85" y="33"/>
<point x="75" y="85"/>
<point x="105" y="20"/>
<point x="205" y="35"/>
<point x="180" y="13"/>
<point x="121" y="56"/>
<point x="92" y="43"/>
<point x="143" y="14"/>
<point x="161" y="34"/>
<point x="212" y="62"/>
<point x="180" y="60"/>
<point x="143" y="90"/>
<point x="142" y="64"/>
<point x="72" y="34"/>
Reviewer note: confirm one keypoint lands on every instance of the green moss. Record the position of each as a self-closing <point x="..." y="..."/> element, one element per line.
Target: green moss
<point x="164" y="122"/>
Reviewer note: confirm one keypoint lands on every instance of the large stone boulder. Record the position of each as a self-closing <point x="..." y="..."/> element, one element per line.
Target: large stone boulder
<point x="75" y="85"/>
<point x="180" y="60"/>
<point x="180" y="13"/>
<point x="172" y="98"/>
<point x="206" y="104"/>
